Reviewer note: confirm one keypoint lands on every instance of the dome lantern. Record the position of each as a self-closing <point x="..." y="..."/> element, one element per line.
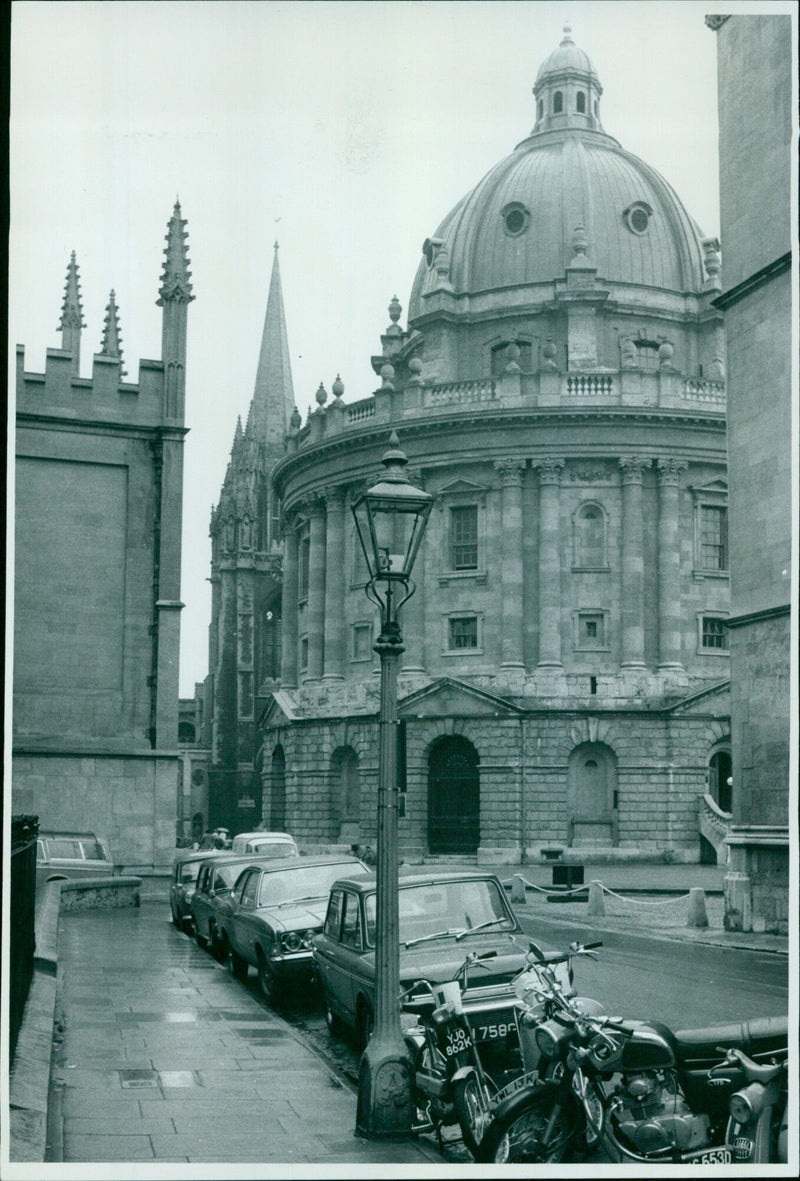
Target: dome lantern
<point x="567" y="89"/>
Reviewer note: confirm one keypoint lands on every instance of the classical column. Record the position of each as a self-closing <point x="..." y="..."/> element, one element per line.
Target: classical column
<point x="549" y="562"/>
<point x="511" y="472"/>
<point x="316" y="588"/>
<point x="669" y="564"/>
<point x="632" y="562"/>
<point x="289" y="606"/>
<point x="334" y="624"/>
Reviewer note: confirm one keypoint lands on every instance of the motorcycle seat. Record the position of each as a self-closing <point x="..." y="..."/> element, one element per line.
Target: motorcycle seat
<point x="756" y="1038"/>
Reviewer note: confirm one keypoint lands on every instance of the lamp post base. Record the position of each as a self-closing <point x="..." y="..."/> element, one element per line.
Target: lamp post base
<point x="384" y="1089"/>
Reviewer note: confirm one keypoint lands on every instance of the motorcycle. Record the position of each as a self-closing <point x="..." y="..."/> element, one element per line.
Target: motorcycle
<point x="645" y="1093"/>
<point x="450" y="1084"/>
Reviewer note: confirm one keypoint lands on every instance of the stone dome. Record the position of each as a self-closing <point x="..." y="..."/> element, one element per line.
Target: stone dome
<point x="566" y="57"/>
<point x="515" y="229"/>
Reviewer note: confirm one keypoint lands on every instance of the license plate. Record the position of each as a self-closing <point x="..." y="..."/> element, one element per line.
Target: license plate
<point x="713" y="1156"/>
<point x="494" y="1026"/>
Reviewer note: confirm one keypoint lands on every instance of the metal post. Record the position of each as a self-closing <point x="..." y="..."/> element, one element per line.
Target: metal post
<point x="384" y="1083"/>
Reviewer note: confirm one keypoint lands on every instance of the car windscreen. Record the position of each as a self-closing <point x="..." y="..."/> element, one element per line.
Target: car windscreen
<point x="272" y="849"/>
<point x="93" y="850"/>
<point x="446" y="906"/>
<point x="227" y="875"/>
<point x="307" y="881"/>
<point x="190" y="871"/>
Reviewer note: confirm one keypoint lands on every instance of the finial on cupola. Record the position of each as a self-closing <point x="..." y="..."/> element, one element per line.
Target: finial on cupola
<point x="567" y="38"/>
<point x="72" y="314"/>
<point x="111" y="344"/>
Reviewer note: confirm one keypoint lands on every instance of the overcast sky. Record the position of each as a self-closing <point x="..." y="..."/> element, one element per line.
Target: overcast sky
<point x="346" y="131"/>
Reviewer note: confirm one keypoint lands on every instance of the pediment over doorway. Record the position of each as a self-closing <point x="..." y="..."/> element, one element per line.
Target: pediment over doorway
<point x="447" y="697"/>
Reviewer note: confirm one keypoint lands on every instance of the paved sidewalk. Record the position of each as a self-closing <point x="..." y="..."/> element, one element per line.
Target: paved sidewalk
<point x="166" y="1058"/>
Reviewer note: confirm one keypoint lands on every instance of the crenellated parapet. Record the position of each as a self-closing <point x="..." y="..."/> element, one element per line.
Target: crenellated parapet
<point x="155" y="399"/>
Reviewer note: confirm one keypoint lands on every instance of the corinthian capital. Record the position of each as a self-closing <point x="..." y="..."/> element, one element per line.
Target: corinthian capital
<point x="669" y="470"/>
<point x="632" y="467"/>
<point x="510" y="470"/>
<point x="549" y="469"/>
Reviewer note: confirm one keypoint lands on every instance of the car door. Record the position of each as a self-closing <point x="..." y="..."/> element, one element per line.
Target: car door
<point x="326" y="947"/>
<point x="243" y="924"/>
<point x="351" y="955"/>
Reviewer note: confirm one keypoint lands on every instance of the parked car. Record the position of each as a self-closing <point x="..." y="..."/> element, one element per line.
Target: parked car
<point x="442" y="917"/>
<point x="268" y="844"/>
<point x="275" y="909"/>
<point x="215" y="881"/>
<point x="184" y="880"/>
<point x="61" y="855"/>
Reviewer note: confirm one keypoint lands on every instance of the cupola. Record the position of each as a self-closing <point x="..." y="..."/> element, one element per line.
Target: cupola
<point x="567" y="89"/>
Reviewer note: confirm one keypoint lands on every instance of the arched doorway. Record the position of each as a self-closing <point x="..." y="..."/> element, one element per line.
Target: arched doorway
<point x="277" y="810"/>
<point x="719" y="775"/>
<point x="592" y="795"/>
<point x="453" y="797"/>
<point x="346" y="795"/>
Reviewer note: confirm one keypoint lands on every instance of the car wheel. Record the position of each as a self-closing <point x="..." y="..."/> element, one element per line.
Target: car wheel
<point x="365" y="1025"/>
<point x="333" y="1021"/>
<point x="239" y="965"/>
<point x="266" y="978"/>
<point x="176" y="922"/>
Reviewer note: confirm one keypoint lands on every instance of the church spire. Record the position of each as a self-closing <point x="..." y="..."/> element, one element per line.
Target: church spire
<point x="273" y="396"/>
<point x="175" y="285"/>
<point x="72" y="315"/>
<point x="111" y="344"/>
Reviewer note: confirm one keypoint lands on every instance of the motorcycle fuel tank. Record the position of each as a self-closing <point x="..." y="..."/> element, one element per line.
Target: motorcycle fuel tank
<point x="648" y="1048"/>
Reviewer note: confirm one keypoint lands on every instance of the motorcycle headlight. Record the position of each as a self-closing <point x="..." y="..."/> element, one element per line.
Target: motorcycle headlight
<point x="746" y="1104"/>
<point x="547" y="1040"/>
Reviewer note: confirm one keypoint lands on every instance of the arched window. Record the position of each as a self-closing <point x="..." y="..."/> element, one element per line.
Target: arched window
<point x="270" y="668"/>
<point x="590" y="537"/>
<point x="540" y="108"/>
<point x="581" y="103"/>
<point x="558" y="102"/>
<point x="719" y="779"/>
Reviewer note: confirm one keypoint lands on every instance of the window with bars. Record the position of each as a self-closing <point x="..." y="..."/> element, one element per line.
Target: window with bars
<point x="713" y="633"/>
<point x="713" y="537"/>
<point x="464" y="537"/>
<point x="463" y="632"/>
<point x="646" y="350"/>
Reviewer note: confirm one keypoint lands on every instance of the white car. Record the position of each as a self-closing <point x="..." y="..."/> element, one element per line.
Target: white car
<point x="265" y="844"/>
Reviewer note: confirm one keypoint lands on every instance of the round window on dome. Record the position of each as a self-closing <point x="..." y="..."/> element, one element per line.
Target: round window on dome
<point x="515" y="219"/>
<point x="637" y="217"/>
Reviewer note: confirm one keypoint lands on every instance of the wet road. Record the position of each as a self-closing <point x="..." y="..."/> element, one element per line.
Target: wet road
<point x="686" y="985"/>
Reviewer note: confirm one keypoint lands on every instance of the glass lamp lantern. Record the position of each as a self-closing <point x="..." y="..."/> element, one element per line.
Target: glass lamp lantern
<point x="390" y="518"/>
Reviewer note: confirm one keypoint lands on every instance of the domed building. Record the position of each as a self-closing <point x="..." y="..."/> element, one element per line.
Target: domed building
<point x="560" y="390"/>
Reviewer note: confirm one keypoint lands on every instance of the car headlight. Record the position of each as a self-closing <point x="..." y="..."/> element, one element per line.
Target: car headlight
<point x="293" y="941"/>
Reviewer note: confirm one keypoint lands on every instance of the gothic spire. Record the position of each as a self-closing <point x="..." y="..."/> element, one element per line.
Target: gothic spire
<point x="175" y="285"/>
<point x="273" y="396"/>
<point x="111" y="344"/>
<point x="72" y="314"/>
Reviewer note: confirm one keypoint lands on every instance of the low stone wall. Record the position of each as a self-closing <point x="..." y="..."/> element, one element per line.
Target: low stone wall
<point x="100" y="893"/>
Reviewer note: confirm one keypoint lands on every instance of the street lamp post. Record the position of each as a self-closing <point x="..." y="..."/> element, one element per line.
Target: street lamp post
<point x="390" y="518"/>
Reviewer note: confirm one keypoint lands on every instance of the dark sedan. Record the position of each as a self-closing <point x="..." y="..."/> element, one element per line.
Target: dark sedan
<point x="443" y="916"/>
<point x="182" y="886"/>
<point x="215" y="881"/>
<point x="274" y="910"/>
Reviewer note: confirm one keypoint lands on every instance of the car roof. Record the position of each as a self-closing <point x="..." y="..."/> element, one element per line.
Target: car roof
<point x="281" y="864"/>
<point x="272" y="836"/>
<point x="420" y="879"/>
<point x="200" y="855"/>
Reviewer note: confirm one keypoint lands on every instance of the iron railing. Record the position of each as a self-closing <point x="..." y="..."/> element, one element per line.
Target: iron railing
<point x="22" y="941"/>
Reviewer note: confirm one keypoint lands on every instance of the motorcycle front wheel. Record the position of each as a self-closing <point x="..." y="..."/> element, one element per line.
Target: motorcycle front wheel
<point x="473" y="1106"/>
<point x="541" y="1132"/>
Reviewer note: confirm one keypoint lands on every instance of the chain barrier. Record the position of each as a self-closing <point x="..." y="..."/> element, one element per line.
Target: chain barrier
<point x="583" y="890"/>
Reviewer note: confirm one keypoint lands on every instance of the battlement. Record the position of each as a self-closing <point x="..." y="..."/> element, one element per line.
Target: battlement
<point x="105" y="396"/>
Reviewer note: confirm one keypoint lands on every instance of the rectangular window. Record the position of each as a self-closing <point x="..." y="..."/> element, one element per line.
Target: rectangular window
<point x="714" y="633"/>
<point x="713" y="537"/>
<point x="303" y="558"/>
<point x="362" y="641"/>
<point x="590" y="630"/>
<point x="464" y="537"/>
<point x="463" y="632"/>
<point x="303" y="654"/>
